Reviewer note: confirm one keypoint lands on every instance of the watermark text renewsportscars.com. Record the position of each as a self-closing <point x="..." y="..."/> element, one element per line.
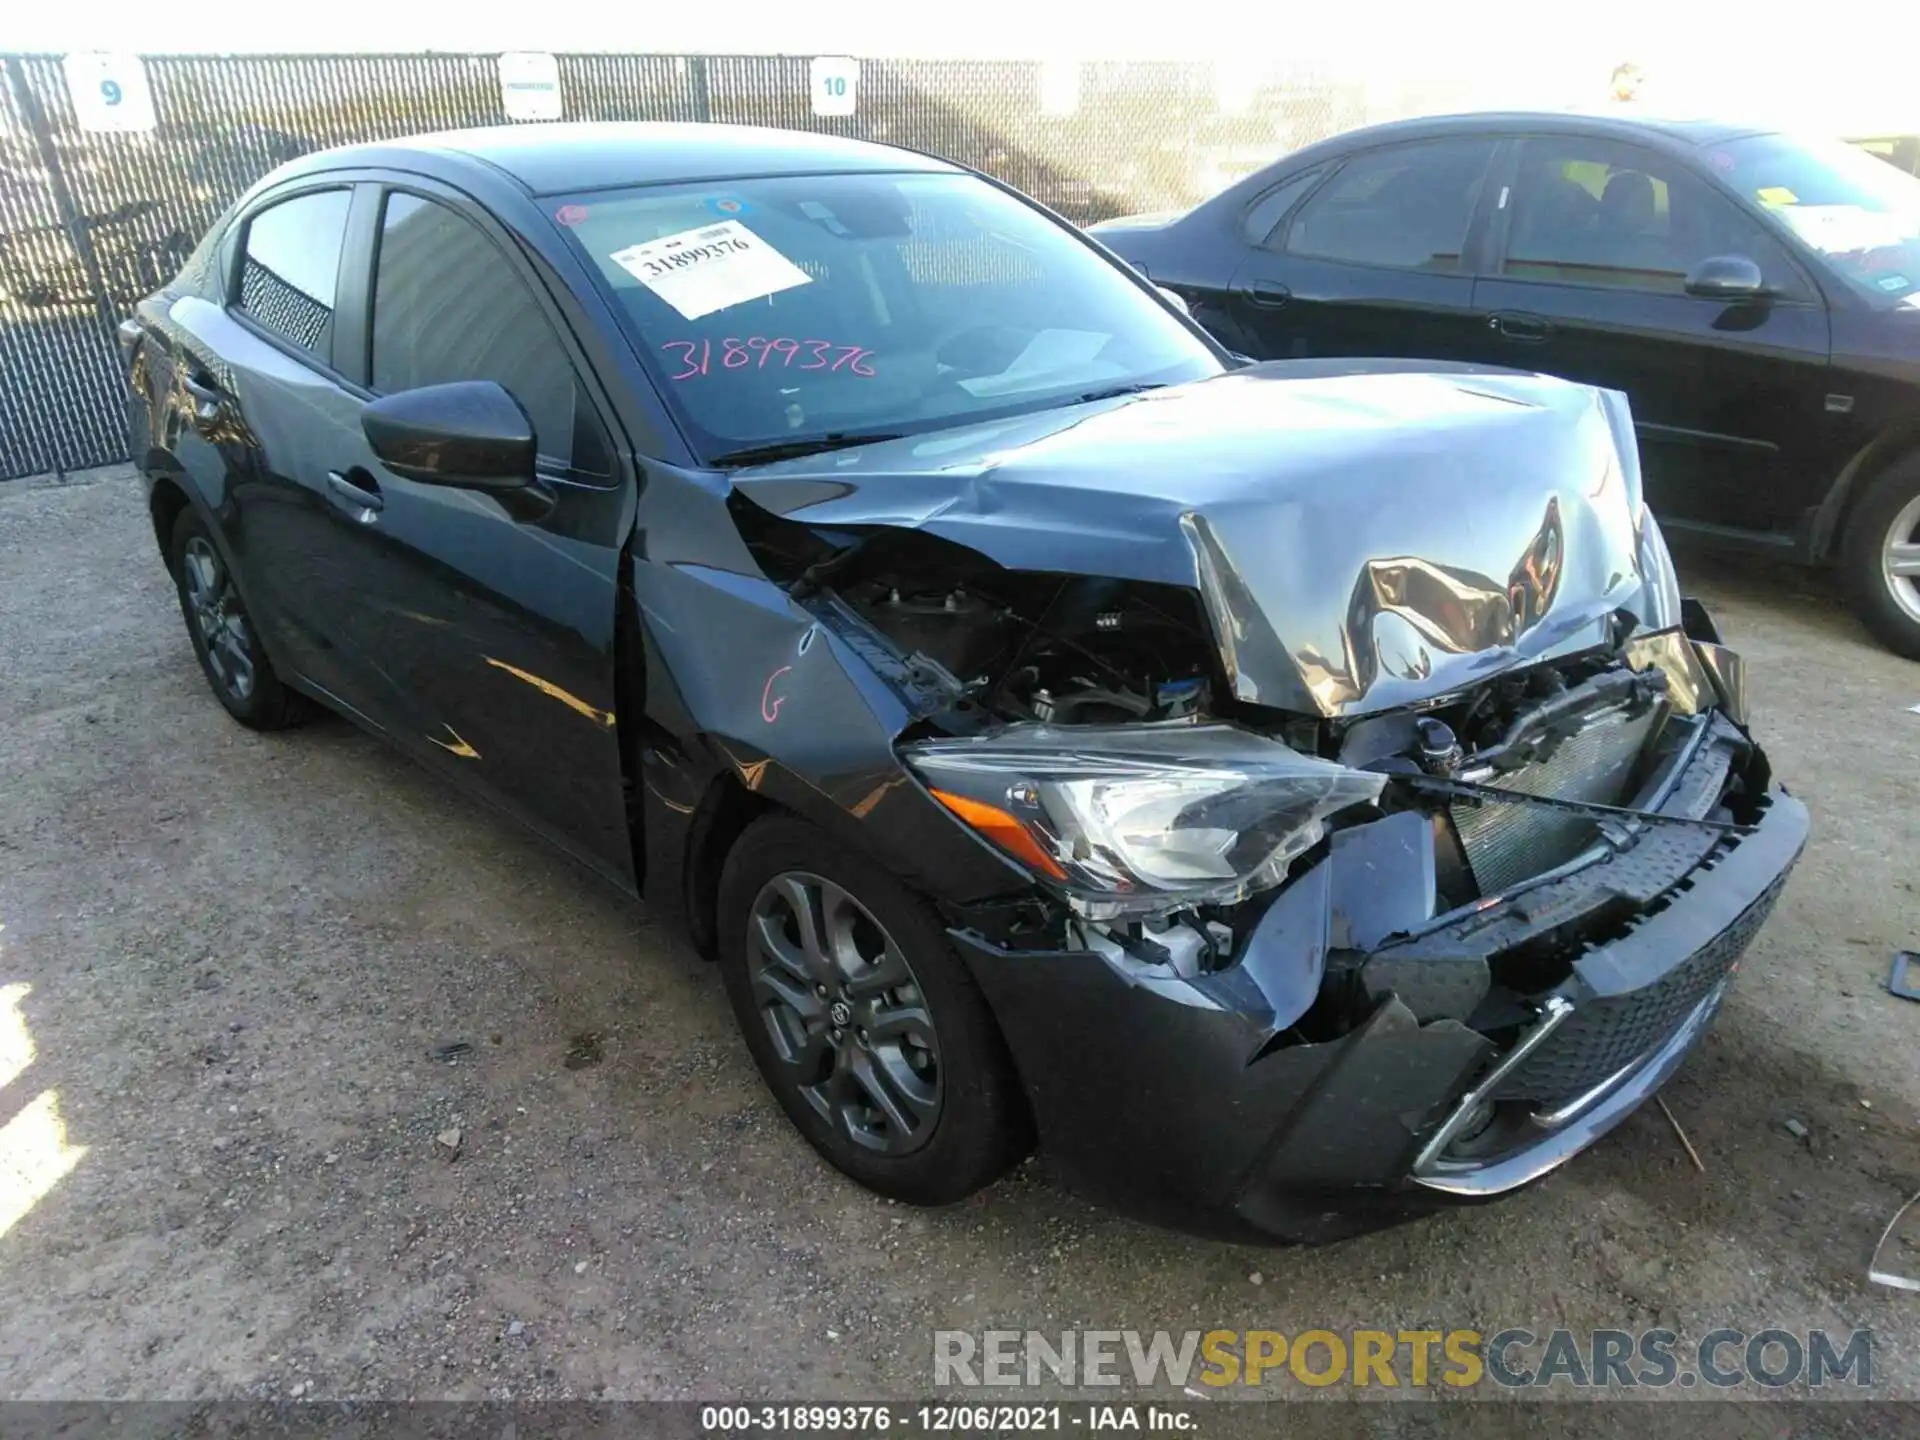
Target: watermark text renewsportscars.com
<point x="1513" y="1358"/>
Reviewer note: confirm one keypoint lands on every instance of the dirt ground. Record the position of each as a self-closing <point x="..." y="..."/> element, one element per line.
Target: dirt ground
<point x="243" y="955"/>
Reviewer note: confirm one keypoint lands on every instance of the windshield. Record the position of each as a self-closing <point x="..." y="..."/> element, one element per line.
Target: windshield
<point x="1859" y="212"/>
<point x="832" y="307"/>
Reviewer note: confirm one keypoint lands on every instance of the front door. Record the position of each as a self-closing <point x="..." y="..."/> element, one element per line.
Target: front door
<point x="477" y="631"/>
<point x="491" y="622"/>
<point x="1594" y="245"/>
<point x="1375" y="262"/>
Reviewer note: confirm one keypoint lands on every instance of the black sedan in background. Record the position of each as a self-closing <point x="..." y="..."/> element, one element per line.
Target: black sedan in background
<point x="1296" y="795"/>
<point x="1756" y="295"/>
<point x="1900" y="151"/>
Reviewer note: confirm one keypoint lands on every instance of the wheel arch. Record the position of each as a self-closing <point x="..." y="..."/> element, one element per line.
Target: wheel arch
<point x="1856" y="477"/>
<point x="722" y="817"/>
<point x="164" y="504"/>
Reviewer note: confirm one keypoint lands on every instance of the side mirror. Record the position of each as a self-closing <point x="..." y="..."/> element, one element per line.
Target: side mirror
<point x="1177" y="301"/>
<point x="471" y="433"/>
<point x="1727" y="277"/>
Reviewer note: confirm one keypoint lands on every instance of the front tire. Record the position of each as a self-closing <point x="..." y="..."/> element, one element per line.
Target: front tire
<point x="1881" y="556"/>
<point x="224" y="639"/>
<point x="863" y="1021"/>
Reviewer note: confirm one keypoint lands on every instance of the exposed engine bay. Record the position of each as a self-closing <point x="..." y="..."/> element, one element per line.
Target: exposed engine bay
<point x="1068" y="651"/>
<point x="1019" y="646"/>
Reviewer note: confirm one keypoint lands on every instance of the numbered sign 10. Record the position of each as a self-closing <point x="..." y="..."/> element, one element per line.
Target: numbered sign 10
<point x="109" y="92"/>
<point x="835" y="81"/>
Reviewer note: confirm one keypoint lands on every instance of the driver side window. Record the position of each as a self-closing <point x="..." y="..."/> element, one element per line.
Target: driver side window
<point x="447" y="305"/>
<point x="1596" y="212"/>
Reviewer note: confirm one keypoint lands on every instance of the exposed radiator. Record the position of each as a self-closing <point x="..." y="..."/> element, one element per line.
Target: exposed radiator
<point x="1506" y="844"/>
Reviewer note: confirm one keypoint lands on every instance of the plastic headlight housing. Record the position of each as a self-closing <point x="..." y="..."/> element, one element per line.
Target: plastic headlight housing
<point x="1142" y="819"/>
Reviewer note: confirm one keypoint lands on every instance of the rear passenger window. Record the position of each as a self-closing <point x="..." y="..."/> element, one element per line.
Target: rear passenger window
<point x="292" y="261"/>
<point x="1405" y="208"/>
<point x="447" y="305"/>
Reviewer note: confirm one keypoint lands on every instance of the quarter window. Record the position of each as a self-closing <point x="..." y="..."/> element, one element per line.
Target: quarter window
<point x="447" y="306"/>
<point x="292" y="261"/>
<point x="1593" y="212"/>
<point x="1263" y="217"/>
<point x="1406" y="208"/>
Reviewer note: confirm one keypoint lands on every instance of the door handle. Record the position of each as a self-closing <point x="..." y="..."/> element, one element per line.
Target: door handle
<point x="1528" y="329"/>
<point x="208" y="398"/>
<point x="358" y="489"/>
<point x="1268" y="294"/>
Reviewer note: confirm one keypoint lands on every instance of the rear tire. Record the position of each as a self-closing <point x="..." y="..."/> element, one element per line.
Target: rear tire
<point x="224" y="639"/>
<point x="1881" y="556"/>
<point x="865" y="1024"/>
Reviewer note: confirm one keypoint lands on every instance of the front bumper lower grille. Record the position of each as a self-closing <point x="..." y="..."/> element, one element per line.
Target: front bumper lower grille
<point x="1606" y="1034"/>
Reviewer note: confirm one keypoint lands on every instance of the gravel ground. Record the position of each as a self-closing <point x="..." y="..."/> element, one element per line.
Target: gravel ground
<point x="243" y="954"/>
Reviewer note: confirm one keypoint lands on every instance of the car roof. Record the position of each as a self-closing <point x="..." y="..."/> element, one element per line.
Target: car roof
<point x="1678" y="137"/>
<point x="549" y="159"/>
<point x="1676" y="132"/>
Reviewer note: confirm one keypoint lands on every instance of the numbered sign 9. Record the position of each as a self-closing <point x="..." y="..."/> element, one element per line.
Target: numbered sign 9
<point x="835" y="83"/>
<point x="109" y="92"/>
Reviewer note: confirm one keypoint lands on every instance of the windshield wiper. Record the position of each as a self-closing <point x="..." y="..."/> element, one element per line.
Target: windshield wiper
<point x="1115" y="392"/>
<point x="795" y="449"/>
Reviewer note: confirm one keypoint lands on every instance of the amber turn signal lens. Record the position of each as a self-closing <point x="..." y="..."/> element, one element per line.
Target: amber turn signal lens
<point x="1004" y="830"/>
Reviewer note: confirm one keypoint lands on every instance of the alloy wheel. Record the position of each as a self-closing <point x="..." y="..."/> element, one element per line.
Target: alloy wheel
<point x="844" y="1012"/>
<point x="226" y="638"/>
<point x="1900" y="559"/>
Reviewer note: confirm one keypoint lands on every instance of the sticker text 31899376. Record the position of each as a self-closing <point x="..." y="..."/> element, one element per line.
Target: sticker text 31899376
<point x="700" y="271"/>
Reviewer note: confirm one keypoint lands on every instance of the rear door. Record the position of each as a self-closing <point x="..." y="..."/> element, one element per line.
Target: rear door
<point x="1375" y="260"/>
<point x="1592" y="249"/>
<point x="261" y="391"/>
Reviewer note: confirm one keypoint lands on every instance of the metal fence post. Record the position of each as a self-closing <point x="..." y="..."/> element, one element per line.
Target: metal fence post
<point x="70" y="218"/>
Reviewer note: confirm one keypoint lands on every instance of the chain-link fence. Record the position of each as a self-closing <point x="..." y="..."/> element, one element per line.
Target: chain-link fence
<point x="91" y="220"/>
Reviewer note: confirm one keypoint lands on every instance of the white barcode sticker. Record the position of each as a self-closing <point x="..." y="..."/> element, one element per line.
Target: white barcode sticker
<point x="700" y="271"/>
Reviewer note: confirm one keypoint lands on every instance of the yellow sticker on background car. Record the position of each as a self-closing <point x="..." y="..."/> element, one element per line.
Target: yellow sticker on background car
<point x="1778" y="195"/>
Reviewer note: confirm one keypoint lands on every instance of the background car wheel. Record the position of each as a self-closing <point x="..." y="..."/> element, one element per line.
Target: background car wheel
<point x="230" y="653"/>
<point x="1882" y="557"/>
<point x="864" y="1023"/>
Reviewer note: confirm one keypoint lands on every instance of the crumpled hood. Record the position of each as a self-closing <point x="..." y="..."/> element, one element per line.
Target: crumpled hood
<point x="1365" y="534"/>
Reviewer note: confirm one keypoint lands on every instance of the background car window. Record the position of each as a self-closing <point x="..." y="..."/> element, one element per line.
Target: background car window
<point x="1407" y="207"/>
<point x="1861" y="216"/>
<point x="447" y="305"/>
<point x="1592" y="212"/>
<point x="1263" y="217"/>
<point x="292" y="262"/>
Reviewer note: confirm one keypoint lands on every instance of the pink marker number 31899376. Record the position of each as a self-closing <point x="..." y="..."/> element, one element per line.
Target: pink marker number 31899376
<point x="699" y="357"/>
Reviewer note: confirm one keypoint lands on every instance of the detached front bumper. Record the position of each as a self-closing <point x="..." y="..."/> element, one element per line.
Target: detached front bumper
<point x="1201" y="1104"/>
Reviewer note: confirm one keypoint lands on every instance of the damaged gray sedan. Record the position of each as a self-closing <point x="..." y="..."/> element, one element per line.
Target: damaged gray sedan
<point x="1295" y="796"/>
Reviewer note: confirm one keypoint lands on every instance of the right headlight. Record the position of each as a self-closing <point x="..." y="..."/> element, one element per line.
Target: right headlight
<point x="1141" y="819"/>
